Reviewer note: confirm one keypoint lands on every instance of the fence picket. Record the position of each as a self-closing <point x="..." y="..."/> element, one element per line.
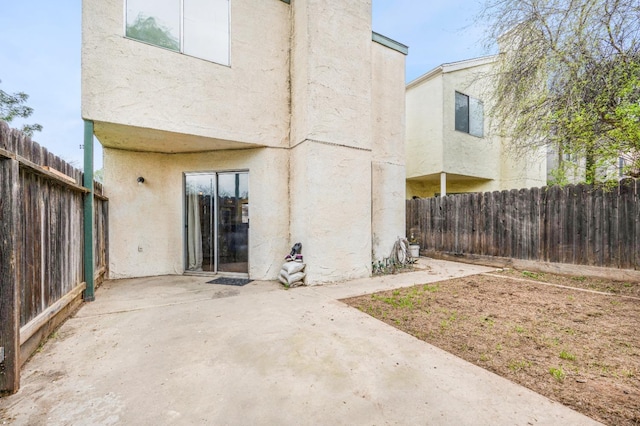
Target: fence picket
<point x="497" y="227"/>
<point x="610" y="229"/>
<point x="626" y="223"/>
<point x="9" y="273"/>
<point x="534" y="214"/>
<point x="575" y="224"/>
<point x="41" y="257"/>
<point x="636" y="225"/>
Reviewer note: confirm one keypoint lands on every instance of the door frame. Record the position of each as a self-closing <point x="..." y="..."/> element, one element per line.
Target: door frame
<point x="185" y="255"/>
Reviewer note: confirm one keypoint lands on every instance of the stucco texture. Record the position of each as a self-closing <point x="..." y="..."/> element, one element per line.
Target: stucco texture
<point x="388" y="157"/>
<point x="466" y="154"/>
<point x="433" y="146"/>
<point x="310" y="106"/>
<point x="388" y="213"/>
<point x="128" y="82"/>
<point x="146" y="222"/>
<point x="331" y="72"/>
<point x="425" y="126"/>
<point x="331" y="210"/>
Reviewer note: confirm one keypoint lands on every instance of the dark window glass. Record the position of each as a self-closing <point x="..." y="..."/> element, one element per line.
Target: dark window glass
<point x="469" y="115"/>
<point x="462" y="112"/>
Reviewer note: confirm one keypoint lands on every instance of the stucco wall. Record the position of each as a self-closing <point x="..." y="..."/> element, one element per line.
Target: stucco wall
<point x="388" y="156"/>
<point x="331" y="136"/>
<point x="151" y="216"/>
<point x="331" y="210"/>
<point x="465" y="154"/>
<point x="331" y="72"/>
<point x="523" y="171"/>
<point x="128" y="82"/>
<point x="472" y="164"/>
<point x="424" y="131"/>
<point x="315" y="106"/>
<point x="388" y="207"/>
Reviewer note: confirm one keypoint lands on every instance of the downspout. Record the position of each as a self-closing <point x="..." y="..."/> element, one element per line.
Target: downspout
<point x="89" y="295"/>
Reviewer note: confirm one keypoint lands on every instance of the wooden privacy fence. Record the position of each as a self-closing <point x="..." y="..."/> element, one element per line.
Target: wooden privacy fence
<point x="575" y="224"/>
<point x="41" y="246"/>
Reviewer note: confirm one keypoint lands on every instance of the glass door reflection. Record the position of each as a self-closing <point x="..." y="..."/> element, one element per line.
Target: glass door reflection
<point x="217" y="222"/>
<point x="200" y="193"/>
<point x="233" y="222"/>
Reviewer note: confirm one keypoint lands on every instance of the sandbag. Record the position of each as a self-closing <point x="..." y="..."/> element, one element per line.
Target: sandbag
<point x="296" y="284"/>
<point x="298" y="276"/>
<point x="293" y="267"/>
<point x="283" y="280"/>
<point x="290" y="280"/>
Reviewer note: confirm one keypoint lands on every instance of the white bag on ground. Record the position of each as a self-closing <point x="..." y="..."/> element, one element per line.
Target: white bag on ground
<point x="293" y="267"/>
<point x="291" y="279"/>
<point x="283" y="279"/>
<point x="298" y="276"/>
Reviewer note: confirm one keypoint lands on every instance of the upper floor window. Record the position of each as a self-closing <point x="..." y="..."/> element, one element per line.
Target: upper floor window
<point x="197" y="28"/>
<point x="469" y="115"/>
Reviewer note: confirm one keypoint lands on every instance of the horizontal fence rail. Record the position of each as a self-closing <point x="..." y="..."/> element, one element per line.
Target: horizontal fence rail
<point x="575" y="224"/>
<point x="41" y="244"/>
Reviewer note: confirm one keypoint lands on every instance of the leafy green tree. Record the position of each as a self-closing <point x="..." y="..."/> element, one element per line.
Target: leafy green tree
<point x="568" y="74"/>
<point x="98" y="175"/>
<point x="145" y="28"/>
<point x="14" y="106"/>
<point x="603" y="121"/>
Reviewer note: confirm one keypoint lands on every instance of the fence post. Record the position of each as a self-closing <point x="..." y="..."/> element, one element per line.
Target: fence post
<point x="9" y="292"/>
<point x="89" y="295"/>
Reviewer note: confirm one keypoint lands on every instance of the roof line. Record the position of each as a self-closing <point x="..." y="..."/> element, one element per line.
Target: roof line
<point x="452" y="66"/>
<point x="391" y="44"/>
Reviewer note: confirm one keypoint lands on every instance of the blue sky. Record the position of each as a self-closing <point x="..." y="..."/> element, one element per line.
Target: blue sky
<point x="40" y="55"/>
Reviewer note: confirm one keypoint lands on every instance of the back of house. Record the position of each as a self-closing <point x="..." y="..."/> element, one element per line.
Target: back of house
<point x="232" y="129"/>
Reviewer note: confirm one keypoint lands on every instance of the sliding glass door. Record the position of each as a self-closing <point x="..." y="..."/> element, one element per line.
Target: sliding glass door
<point x="217" y="222"/>
<point x="233" y="222"/>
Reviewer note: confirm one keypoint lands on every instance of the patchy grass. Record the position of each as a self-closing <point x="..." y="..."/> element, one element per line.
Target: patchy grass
<point x="557" y="373"/>
<point x="579" y="348"/>
<point x="568" y="356"/>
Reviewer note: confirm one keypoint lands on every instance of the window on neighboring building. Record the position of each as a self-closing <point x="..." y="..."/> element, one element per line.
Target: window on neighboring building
<point x="197" y="28"/>
<point x="622" y="165"/>
<point x="469" y="115"/>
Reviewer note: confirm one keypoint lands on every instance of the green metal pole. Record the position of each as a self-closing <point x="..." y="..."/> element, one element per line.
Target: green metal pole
<point x="89" y="293"/>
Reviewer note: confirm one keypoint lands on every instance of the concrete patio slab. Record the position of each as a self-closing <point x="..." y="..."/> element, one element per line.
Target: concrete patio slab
<point x="175" y="350"/>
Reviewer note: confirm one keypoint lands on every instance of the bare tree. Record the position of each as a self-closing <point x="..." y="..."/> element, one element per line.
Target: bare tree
<point x="569" y="75"/>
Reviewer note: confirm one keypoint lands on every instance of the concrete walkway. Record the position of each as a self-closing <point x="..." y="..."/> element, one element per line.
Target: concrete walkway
<point x="174" y="350"/>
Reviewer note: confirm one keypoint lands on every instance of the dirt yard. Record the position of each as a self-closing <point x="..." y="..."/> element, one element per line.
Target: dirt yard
<point x="567" y="341"/>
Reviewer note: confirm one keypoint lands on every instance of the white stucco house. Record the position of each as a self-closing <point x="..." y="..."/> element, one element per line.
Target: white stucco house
<point x="571" y="168"/>
<point x="232" y="129"/>
<point x="450" y="146"/>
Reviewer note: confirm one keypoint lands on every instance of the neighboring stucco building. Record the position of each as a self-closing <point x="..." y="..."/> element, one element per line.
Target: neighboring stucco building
<point x="254" y="124"/>
<point x="449" y="144"/>
<point x="571" y="168"/>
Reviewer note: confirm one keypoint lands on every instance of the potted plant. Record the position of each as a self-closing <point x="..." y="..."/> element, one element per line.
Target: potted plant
<point x="414" y="246"/>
